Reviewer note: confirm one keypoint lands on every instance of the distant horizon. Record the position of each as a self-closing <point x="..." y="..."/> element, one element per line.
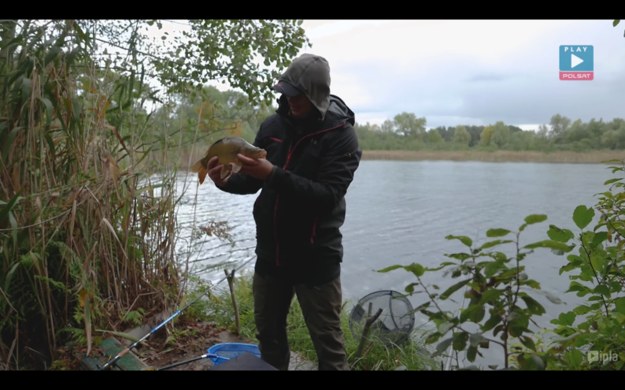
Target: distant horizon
<point x="526" y="127"/>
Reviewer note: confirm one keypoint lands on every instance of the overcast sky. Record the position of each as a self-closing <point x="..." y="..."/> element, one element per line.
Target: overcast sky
<point x="473" y="72"/>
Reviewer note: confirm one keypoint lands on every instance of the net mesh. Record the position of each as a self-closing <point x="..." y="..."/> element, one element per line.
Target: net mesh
<point x="395" y="322"/>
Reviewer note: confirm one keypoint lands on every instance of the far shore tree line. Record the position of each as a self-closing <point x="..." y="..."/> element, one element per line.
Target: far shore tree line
<point x="197" y="121"/>
<point x="406" y="131"/>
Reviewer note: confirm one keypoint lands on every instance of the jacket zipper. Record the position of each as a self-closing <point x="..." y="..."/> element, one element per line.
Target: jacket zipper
<point x="313" y="231"/>
<point x="285" y="167"/>
<point x="275" y="229"/>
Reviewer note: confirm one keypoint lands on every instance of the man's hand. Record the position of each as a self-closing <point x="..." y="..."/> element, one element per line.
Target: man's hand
<point x="214" y="171"/>
<point x="258" y="168"/>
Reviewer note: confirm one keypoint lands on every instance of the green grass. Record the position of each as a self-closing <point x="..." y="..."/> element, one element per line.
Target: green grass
<point x="376" y="355"/>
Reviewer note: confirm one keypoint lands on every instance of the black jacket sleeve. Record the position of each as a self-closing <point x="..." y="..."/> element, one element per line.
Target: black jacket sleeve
<point x="335" y="173"/>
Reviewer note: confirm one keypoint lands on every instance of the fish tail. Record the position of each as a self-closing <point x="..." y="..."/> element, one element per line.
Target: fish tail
<point x="201" y="174"/>
<point x="198" y="166"/>
<point x="201" y="170"/>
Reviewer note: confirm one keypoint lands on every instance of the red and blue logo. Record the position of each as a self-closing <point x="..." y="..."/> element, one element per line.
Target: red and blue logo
<point x="577" y="62"/>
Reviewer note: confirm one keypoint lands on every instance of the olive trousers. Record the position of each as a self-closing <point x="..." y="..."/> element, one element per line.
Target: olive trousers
<point x="321" y="306"/>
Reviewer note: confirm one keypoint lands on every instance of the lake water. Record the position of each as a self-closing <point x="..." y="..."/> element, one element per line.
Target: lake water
<point x="399" y="212"/>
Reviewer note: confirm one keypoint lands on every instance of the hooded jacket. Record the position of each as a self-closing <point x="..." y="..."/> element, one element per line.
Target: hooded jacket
<point x="301" y="206"/>
<point x="310" y="74"/>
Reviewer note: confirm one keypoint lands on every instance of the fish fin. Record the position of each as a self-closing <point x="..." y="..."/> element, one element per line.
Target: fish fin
<point x="226" y="171"/>
<point x="235" y="167"/>
<point x="201" y="174"/>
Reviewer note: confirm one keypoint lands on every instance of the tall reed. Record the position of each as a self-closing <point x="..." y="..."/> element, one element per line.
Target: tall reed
<point x="85" y="238"/>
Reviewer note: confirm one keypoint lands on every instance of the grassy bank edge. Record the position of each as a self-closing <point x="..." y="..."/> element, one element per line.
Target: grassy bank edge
<point x="376" y="356"/>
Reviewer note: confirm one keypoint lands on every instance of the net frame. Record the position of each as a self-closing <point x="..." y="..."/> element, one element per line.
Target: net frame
<point x="394" y="325"/>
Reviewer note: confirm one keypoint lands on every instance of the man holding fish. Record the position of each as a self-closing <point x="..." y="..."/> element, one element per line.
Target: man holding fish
<point x="303" y="160"/>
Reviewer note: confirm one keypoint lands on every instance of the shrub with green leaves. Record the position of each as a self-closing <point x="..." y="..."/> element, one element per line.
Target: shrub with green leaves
<point x="499" y="296"/>
<point x="592" y="334"/>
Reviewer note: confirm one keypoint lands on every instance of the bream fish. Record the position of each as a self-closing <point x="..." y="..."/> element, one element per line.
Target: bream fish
<point x="227" y="149"/>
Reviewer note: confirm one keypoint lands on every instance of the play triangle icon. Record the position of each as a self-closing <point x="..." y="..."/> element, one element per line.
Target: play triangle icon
<point x="575" y="60"/>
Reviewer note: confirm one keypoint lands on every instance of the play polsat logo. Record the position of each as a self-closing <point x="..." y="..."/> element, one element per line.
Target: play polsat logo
<point x="577" y="62"/>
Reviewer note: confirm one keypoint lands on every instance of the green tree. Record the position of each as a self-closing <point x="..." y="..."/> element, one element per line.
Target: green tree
<point x="501" y="135"/>
<point x="577" y="135"/>
<point x="559" y="125"/>
<point x="476" y="133"/>
<point x="461" y="136"/>
<point x="433" y="138"/>
<point x="387" y="126"/>
<point x="522" y="140"/>
<point x="229" y="49"/>
<point x="614" y="137"/>
<point x="408" y="124"/>
<point x="247" y="54"/>
<point x="486" y="135"/>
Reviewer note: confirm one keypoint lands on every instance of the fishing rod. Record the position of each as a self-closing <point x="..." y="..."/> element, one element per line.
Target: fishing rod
<point x="157" y="327"/>
<point x="206" y="355"/>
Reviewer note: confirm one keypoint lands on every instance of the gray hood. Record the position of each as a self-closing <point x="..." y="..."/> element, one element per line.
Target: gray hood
<point x="310" y="74"/>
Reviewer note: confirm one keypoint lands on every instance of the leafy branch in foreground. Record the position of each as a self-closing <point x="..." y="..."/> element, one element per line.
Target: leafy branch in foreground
<point x="498" y="306"/>
<point x="591" y="335"/>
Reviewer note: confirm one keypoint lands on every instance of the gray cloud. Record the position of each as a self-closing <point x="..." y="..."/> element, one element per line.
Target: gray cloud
<point x="508" y="72"/>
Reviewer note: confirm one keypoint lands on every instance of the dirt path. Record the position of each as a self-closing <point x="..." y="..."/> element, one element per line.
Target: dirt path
<point x="181" y="344"/>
